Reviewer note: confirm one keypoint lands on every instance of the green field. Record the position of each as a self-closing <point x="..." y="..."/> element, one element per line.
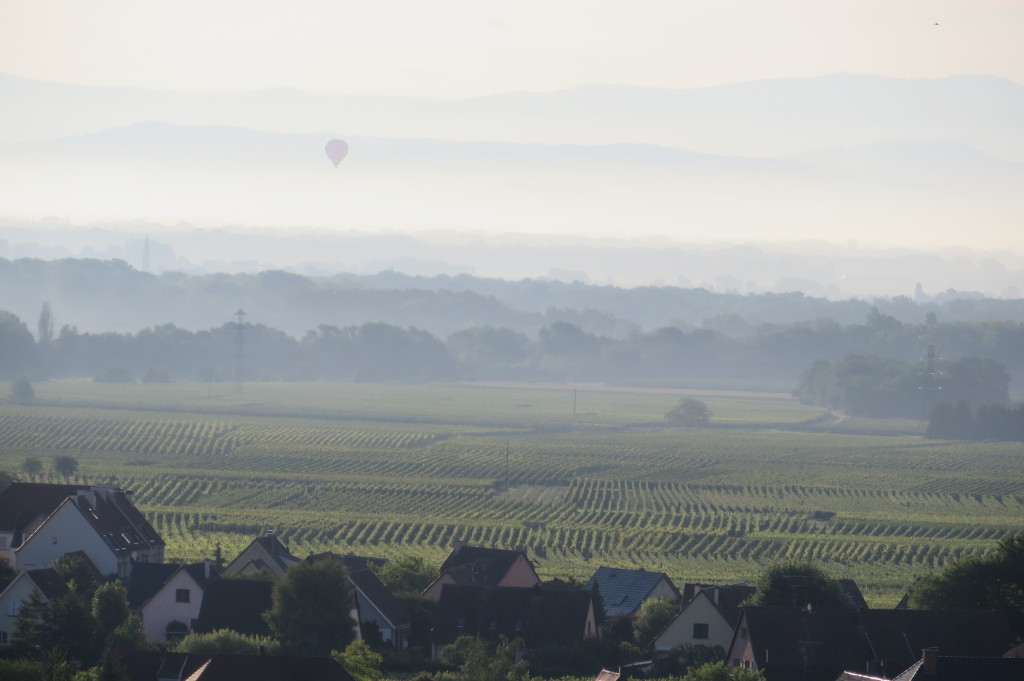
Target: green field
<point x="579" y="476"/>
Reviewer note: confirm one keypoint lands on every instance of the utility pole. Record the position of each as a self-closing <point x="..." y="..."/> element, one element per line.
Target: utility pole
<point x="239" y="349"/>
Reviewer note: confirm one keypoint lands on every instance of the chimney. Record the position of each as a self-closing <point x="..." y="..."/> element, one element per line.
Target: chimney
<point x="458" y="544"/>
<point x="930" y="660"/>
<point x="262" y="650"/>
<point x="206" y="568"/>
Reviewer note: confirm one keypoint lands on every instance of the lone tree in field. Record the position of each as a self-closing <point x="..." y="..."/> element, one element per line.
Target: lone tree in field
<point x="689" y="412"/>
<point x="22" y="391"/>
<point x="65" y="466"/>
<point x="31" y="467"/>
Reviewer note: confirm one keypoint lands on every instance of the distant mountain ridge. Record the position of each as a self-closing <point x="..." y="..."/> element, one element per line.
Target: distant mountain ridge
<point x="760" y="118"/>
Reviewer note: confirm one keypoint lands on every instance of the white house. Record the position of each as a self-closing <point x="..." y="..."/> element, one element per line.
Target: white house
<point x="265" y="553"/>
<point x="179" y="599"/>
<point x="708" y="619"/>
<point x="46" y="581"/>
<point x="39" y="523"/>
<point x="481" y="566"/>
<point x="625" y="590"/>
<point x="378" y="605"/>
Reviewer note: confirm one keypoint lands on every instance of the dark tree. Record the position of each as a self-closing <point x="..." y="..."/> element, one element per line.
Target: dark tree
<point x="22" y="391"/>
<point x="310" y="613"/>
<point x="652" y="617"/>
<point x="16" y="345"/>
<point x="45" y="325"/>
<point x="64" y="623"/>
<point x="31" y="467"/>
<point x="799" y="583"/>
<point x="991" y="582"/>
<point x="65" y="466"/>
<point x="690" y="412"/>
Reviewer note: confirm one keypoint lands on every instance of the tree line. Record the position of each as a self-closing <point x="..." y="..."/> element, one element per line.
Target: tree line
<point x="843" y="359"/>
<point x="985" y="423"/>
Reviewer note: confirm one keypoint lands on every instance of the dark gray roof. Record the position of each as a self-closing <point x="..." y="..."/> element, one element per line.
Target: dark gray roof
<point x="478" y="565"/>
<point x="145" y="580"/>
<point x="729" y="599"/>
<point x="624" y="590"/>
<point x="823" y="643"/>
<point x="236" y="604"/>
<point x="967" y="669"/>
<point x="23" y="502"/>
<point x="379" y="595"/>
<point x="49" y="582"/>
<point x="279" y="553"/>
<point x="541" y="617"/>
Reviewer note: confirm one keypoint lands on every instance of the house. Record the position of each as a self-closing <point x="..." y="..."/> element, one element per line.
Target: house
<point x="168" y="613"/>
<point x="935" y="667"/>
<point x="624" y="591"/>
<point x="46" y="581"/>
<point x="852" y="591"/>
<point x="819" y="645"/>
<point x="374" y="604"/>
<point x="708" y="619"/>
<point x="542" y="618"/>
<point x="379" y="606"/>
<point x="40" y="522"/>
<point x="351" y="561"/>
<point x="265" y="553"/>
<point x="164" y="666"/>
<point x="486" y="567"/>
<point x="236" y="604"/>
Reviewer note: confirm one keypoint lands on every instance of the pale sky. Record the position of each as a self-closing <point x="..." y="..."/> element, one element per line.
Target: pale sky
<point x="457" y="48"/>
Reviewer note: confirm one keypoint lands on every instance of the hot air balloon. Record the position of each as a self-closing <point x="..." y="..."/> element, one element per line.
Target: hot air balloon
<point x="336" y="150"/>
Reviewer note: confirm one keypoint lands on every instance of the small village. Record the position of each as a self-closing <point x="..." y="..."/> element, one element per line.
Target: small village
<point x="623" y="622"/>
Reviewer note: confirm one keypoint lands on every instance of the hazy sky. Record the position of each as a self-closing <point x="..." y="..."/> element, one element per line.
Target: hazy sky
<point x="457" y="48"/>
<point x="465" y="48"/>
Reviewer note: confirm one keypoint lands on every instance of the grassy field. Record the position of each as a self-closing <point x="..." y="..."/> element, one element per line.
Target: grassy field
<point x="579" y="476"/>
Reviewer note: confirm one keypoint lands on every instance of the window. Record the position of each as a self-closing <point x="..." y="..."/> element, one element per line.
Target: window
<point x="700" y="630"/>
<point x="182" y="595"/>
<point x="12" y="608"/>
<point x="3" y="638"/>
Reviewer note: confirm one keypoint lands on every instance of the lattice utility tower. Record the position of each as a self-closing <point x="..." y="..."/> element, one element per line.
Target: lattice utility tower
<point x="930" y="386"/>
<point x="239" y="349"/>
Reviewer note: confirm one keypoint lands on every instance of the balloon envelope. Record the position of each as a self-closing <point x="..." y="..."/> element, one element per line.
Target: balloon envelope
<point x="336" y="150"/>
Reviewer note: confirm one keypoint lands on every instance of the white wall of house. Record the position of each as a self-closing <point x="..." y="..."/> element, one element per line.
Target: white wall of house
<point x="10" y="603"/>
<point x="66" y="531"/>
<point x="521" y="573"/>
<point x="702" y="613"/>
<point x="741" y="652"/>
<point x="663" y="590"/>
<point x="367" y="612"/>
<point x="166" y="605"/>
<point x="6" y="551"/>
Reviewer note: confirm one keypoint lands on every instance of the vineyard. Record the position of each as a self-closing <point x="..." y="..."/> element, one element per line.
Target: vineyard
<point x="578" y="478"/>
